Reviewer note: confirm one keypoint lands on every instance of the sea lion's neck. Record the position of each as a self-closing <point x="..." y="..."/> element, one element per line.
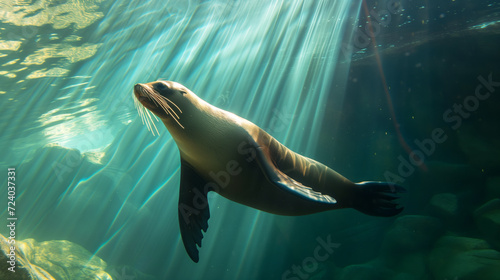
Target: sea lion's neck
<point x="198" y="129"/>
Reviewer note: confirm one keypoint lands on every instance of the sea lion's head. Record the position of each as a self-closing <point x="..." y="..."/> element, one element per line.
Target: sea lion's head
<point x="164" y="99"/>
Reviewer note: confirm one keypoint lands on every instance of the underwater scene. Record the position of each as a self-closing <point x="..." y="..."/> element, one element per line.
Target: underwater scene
<point x="228" y="139"/>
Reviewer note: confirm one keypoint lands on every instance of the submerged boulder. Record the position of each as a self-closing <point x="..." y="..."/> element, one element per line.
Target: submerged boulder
<point x="14" y="264"/>
<point x="453" y="209"/>
<point x="124" y="272"/>
<point x="464" y="258"/>
<point x="411" y="233"/>
<point x="444" y="205"/>
<point x="365" y="272"/>
<point x="493" y="187"/>
<point x="403" y="253"/>
<point x="488" y="221"/>
<point x="54" y="260"/>
<point x="407" y="243"/>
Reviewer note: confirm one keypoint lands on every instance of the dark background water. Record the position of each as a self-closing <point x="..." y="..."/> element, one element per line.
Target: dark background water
<point x="432" y="57"/>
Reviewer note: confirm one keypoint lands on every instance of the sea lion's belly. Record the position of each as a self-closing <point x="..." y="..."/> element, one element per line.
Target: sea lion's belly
<point x="240" y="178"/>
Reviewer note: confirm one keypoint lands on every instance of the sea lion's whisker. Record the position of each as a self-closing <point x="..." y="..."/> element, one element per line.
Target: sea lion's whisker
<point x="152" y="96"/>
<point x="152" y="122"/>
<point x="172" y="113"/>
<point x="155" y="97"/>
<point x="159" y="101"/>
<point x="173" y="104"/>
<point x="168" y="109"/>
<point x="144" y="119"/>
<point x="142" y="115"/>
<point x="145" y="116"/>
<point x="139" y="110"/>
<point x="177" y="121"/>
<point x="164" y="105"/>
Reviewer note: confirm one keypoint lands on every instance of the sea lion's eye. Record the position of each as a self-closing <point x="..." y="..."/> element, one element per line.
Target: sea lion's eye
<point x="182" y="92"/>
<point x="160" y="86"/>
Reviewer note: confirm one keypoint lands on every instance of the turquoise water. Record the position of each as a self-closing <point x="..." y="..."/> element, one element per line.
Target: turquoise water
<point x="375" y="98"/>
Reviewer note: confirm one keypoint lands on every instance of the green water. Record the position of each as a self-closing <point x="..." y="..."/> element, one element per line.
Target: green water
<point x="390" y="97"/>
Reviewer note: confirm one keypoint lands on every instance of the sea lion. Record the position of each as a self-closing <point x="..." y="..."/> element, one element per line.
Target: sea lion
<point x="230" y="155"/>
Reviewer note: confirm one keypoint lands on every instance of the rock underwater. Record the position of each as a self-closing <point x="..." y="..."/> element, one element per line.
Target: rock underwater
<point x="49" y="260"/>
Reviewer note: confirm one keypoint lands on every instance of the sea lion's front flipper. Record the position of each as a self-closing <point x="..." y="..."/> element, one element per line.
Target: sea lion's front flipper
<point x="193" y="209"/>
<point x="285" y="182"/>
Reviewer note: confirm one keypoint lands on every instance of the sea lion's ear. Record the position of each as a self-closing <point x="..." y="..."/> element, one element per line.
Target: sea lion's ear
<point x="193" y="209"/>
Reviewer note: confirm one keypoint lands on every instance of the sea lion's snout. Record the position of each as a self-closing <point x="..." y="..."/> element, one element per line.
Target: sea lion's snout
<point x="139" y="92"/>
<point x="137" y="88"/>
<point x="151" y="97"/>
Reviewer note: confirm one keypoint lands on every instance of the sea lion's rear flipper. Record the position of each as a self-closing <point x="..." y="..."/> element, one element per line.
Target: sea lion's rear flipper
<point x="376" y="198"/>
<point x="193" y="209"/>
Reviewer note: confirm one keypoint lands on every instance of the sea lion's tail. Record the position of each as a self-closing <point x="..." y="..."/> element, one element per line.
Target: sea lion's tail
<point x="377" y="198"/>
